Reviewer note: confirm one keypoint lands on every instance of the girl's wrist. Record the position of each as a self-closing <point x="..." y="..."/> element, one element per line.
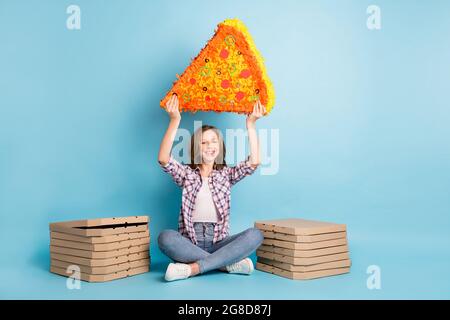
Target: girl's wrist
<point x="251" y="124"/>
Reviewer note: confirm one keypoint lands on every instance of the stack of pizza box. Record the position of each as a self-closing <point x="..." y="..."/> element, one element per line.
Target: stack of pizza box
<point x="303" y="249"/>
<point x="100" y="249"/>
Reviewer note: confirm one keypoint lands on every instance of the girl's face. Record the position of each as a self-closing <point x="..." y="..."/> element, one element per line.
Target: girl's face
<point x="209" y="146"/>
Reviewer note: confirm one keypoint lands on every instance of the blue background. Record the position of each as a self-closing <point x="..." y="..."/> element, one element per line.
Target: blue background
<point x="363" y="118"/>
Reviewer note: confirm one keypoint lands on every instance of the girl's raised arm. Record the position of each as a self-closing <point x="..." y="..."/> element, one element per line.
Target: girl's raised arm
<point x="169" y="136"/>
<point x="247" y="167"/>
<point x="258" y="111"/>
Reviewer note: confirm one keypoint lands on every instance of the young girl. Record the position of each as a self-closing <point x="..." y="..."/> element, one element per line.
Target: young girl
<point x="202" y="242"/>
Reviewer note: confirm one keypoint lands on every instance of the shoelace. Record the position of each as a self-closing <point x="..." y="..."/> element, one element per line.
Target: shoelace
<point x="181" y="269"/>
<point x="235" y="266"/>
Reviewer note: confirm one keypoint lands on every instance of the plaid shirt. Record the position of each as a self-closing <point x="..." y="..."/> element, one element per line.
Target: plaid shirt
<point x="220" y="182"/>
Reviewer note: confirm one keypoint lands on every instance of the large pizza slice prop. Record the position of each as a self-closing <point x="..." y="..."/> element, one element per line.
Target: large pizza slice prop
<point x="228" y="75"/>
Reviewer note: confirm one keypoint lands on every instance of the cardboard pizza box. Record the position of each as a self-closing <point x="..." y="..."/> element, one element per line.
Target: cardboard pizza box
<point x="99" y="247"/>
<point x="314" y="267"/>
<point x="103" y="270"/>
<point x="100" y="262"/>
<point x="268" y="234"/>
<point x="98" y="240"/>
<point x="303" y="261"/>
<point x="99" y="254"/>
<point x="105" y="277"/>
<point x="304" y="253"/>
<point x="103" y="221"/>
<point x="305" y="246"/>
<point x="313" y="238"/>
<point x="301" y="275"/>
<point x="100" y="231"/>
<point x="301" y="227"/>
<point x="102" y="227"/>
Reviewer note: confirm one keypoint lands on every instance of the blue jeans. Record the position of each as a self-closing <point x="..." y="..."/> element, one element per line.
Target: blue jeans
<point x="209" y="256"/>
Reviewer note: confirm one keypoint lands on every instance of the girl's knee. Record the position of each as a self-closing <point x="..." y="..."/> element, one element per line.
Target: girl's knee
<point x="255" y="235"/>
<point x="166" y="237"/>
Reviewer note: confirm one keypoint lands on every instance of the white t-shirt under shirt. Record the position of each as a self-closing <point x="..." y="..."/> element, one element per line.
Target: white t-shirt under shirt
<point x="204" y="209"/>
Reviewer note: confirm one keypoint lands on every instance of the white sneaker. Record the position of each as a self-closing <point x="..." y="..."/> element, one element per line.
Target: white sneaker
<point x="177" y="271"/>
<point x="245" y="266"/>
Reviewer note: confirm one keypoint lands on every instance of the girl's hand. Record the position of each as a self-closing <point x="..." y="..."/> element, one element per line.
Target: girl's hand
<point x="172" y="108"/>
<point x="258" y="111"/>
